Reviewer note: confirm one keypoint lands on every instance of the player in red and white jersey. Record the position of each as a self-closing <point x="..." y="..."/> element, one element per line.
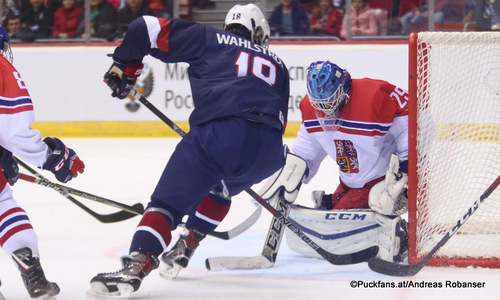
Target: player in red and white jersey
<point x="17" y="236"/>
<point x="369" y="125"/>
<point x="363" y="125"/>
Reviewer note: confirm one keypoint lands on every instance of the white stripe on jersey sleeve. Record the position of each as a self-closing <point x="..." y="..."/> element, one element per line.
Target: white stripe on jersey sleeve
<point x="154" y="29"/>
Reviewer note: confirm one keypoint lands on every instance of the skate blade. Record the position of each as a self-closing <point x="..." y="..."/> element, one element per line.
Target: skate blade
<point x="169" y="272"/>
<point x="99" y="291"/>
<point x="44" y="297"/>
<point x="51" y="294"/>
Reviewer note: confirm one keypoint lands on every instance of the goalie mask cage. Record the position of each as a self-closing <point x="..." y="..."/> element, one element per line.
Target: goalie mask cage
<point x="454" y="148"/>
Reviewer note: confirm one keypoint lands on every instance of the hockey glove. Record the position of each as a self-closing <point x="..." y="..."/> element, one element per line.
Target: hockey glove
<point x="63" y="161"/>
<point x="389" y="197"/>
<point x="9" y="165"/>
<point x="121" y="79"/>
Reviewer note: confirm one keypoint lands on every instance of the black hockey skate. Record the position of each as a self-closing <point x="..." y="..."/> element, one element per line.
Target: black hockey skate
<point x="32" y="274"/>
<point x="178" y="257"/>
<point x="125" y="281"/>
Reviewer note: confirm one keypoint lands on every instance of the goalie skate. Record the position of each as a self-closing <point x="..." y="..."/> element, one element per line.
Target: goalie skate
<point x="124" y="282"/>
<point x="33" y="276"/>
<point x="178" y="257"/>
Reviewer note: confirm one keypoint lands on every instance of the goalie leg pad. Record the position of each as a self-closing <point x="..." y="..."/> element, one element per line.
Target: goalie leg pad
<point x="343" y="231"/>
<point x="289" y="177"/>
<point x="393" y="238"/>
<point x="338" y="231"/>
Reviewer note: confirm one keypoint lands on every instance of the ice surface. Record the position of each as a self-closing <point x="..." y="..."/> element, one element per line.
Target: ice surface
<point x="74" y="246"/>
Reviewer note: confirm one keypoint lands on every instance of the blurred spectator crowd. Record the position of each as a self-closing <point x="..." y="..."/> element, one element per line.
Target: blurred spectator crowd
<point x="30" y="20"/>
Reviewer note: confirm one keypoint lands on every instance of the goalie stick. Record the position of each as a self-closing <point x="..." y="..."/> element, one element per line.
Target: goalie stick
<point x="266" y="258"/>
<point x="239" y="229"/>
<point x="395" y="269"/>
<point x="109" y="218"/>
<point x="341" y="259"/>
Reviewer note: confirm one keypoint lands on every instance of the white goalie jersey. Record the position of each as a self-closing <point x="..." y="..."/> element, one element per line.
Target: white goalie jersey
<point x="374" y="126"/>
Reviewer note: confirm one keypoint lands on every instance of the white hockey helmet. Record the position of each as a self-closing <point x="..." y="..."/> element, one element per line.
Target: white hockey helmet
<point x="250" y="17"/>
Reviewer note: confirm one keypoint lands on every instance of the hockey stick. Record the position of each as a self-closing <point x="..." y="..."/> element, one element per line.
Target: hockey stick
<point x="335" y="259"/>
<point x="109" y="218"/>
<point x="127" y="211"/>
<point x="266" y="258"/>
<point x="137" y="209"/>
<point x="394" y="269"/>
<point x="239" y="229"/>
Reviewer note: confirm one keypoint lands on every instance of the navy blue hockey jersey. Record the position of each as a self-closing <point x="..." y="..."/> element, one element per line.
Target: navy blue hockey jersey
<point x="229" y="75"/>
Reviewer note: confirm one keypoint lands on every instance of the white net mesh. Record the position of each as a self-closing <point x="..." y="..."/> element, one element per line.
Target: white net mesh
<point x="458" y="142"/>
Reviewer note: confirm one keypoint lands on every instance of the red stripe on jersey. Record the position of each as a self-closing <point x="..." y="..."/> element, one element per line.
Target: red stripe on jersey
<point x="10" y="111"/>
<point x="162" y="41"/>
<point x="213" y="210"/>
<point x="158" y="223"/>
<point x="314" y="129"/>
<point x="10" y="212"/>
<point x="13" y="231"/>
<point x="361" y="132"/>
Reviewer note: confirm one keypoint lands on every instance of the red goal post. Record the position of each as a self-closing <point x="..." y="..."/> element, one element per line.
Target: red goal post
<point x="454" y="146"/>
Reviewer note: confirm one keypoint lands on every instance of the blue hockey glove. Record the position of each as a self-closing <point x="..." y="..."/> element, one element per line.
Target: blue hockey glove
<point x="121" y="79"/>
<point x="63" y="161"/>
<point x="9" y="165"/>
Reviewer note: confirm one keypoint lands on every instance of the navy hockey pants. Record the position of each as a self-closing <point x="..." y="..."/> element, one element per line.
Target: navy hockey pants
<point x="235" y="150"/>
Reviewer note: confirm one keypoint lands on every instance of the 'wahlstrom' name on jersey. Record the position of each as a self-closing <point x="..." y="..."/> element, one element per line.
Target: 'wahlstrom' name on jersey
<point x="229" y="75"/>
<point x="230" y="39"/>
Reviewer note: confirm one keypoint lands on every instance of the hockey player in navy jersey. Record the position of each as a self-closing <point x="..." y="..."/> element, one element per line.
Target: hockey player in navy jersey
<point x="17" y="236"/>
<point x="240" y="91"/>
<point x="363" y="125"/>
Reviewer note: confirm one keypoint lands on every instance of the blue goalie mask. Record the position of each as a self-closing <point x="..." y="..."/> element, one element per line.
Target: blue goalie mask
<point x="5" y="50"/>
<point x="328" y="87"/>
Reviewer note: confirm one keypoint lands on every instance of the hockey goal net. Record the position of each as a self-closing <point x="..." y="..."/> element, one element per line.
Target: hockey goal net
<point x="454" y="146"/>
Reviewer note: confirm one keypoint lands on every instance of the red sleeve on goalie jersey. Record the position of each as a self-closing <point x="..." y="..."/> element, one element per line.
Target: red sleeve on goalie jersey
<point x="14" y="96"/>
<point x="376" y="101"/>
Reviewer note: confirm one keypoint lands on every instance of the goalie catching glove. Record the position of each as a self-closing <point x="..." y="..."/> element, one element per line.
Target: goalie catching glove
<point x="62" y="161"/>
<point x="389" y="197"/>
<point x="121" y="79"/>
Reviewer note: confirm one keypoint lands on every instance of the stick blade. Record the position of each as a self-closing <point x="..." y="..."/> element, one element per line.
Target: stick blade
<point x="242" y="227"/>
<point x="394" y="269"/>
<point x="351" y="258"/>
<point x="119" y="216"/>
<point x="223" y="263"/>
